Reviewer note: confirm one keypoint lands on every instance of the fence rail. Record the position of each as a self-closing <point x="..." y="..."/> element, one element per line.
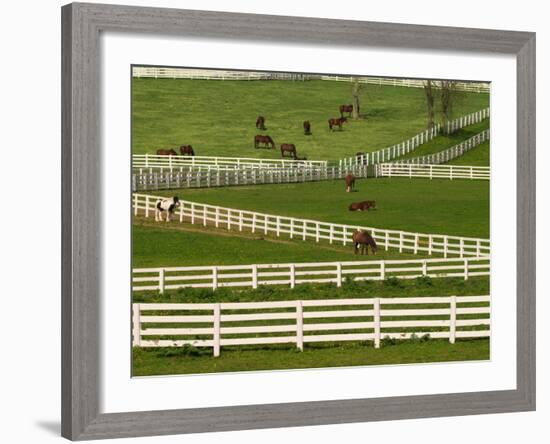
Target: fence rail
<point x="255" y="275"/>
<point x="403" y="148"/>
<point x="451" y="153"/>
<point x="432" y="171"/>
<point x="196" y="162"/>
<point x="146" y="179"/>
<point x="231" y="218"/>
<point x="210" y="74"/>
<point x="305" y="321"/>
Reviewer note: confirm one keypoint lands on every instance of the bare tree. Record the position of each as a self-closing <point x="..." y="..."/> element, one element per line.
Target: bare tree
<point x="355" y="92"/>
<point x="430" y="98"/>
<point x="449" y="94"/>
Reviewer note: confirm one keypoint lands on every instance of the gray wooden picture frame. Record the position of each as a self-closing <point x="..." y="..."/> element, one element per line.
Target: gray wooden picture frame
<point x="81" y="231"/>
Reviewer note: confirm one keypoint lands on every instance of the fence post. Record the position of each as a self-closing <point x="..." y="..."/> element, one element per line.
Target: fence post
<point x="292" y="275"/>
<point x="147" y="205"/>
<point x="304" y="230"/>
<point x="217" y="330"/>
<point x="387" y="240"/>
<point x="317" y="232"/>
<point x="452" y="329"/>
<point x="424" y="267"/>
<point x="136" y="325"/>
<point x="338" y="274"/>
<point x="254" y="276"/>
<point x="214" y="278"/>
<point x="461" y="247"/>
<point x="430" y="246"/>
<point x="445" y="246"/>
<point x="299" y="326"/>
<point x="161" y="281"/>
<point x="401" y="242"/>
<point x="278" y="226"/>
<point x="478" y="247"/>
<point x="376" y="307"/>
<point x="416" y="240"/>
<point x="331" y="233"/>
<point x="382" y="270"/>
<point x="466" y="265"/>
<point x="240" y="221"/>
<point x="217" y="217"/>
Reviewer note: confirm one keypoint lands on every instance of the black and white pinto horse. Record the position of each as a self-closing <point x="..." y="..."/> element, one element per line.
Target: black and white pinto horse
<point x="168" y="205"/>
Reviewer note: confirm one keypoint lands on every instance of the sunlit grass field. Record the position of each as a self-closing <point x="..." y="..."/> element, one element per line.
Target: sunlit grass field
<point x="218" y="117"/>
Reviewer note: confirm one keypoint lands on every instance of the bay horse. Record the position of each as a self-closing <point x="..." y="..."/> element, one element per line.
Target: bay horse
<point x="364" y="239"/>
<point x="346" y="109"/>
<point x="267" y="141"/>
<point x="307" y="128"/>
<point x="350" y="182"/>
<point x="260" y="122"/>
<point x="336" y="122"/>
<point x="362" y="206"/>
<point x="165" y="152"/>
<point x="187" y="150"/>
<point x="288" y="150"/>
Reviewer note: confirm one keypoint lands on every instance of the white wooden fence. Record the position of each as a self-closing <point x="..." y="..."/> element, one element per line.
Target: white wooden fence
<point x="480" y="87"/>
<point x="254" y="275"/>
<point x="403" y="148"/>
<point x="451" y="153"/>
<point x="432" y="171"/>
<point x="146" y="179"/>
<point x="305" y="321"/>
<point x="215" y="162"/>
<point x="214" y="74"/>
<point x="241" y="220"/>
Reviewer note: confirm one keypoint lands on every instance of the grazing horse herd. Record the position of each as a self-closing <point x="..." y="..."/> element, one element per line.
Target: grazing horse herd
<point x="265" y="141"/>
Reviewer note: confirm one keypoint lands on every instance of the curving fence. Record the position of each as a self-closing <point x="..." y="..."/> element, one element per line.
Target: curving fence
<point x="451" y="153"/>
<point x="409" y="145"/>
<point x="306" y="229"/>
<point x="255" y="275"/>
<point x="217" y="325"/>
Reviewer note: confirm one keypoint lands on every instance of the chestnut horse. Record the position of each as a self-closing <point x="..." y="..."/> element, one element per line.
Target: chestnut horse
<point x="364" y="239"/>
<point x="307" y="128"/>
<point x="267" y="141"/>
<point x="362" y="206"/>
<point x="288" y="150"/>
<point x="350" y="182"/>
<point x="260" y="122"/>
<point x="187" y="150"/>
<point x="346" y="109"/>
<point x="164" y="152"/>
<point x="336" y="122"/>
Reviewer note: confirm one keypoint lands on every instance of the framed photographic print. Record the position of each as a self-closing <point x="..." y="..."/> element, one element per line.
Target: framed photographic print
<point x="280" y="221"/>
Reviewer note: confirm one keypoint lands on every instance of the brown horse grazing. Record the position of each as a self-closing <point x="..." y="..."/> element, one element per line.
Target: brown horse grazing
<point x="350" y="182"/>
<point x="163" y="152"/>
<point x="288" y="150"/>
<point x="346" y="109"/>
<point x="362" y="206"/>
<point x="364" y="239"/>
<point x="307" y="128"/>
<point x="336" y="122"/>
<point x="260" y="122"/>
<point x="267" y="141"/>
<point x="187" y="150"/>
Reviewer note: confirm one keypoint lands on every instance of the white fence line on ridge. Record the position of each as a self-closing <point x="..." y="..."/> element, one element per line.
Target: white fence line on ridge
<point x="292" y="274"/>
<point x="209" y="74"/>
<point x="230" y="218"/>
<point x="371" y="319"/>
